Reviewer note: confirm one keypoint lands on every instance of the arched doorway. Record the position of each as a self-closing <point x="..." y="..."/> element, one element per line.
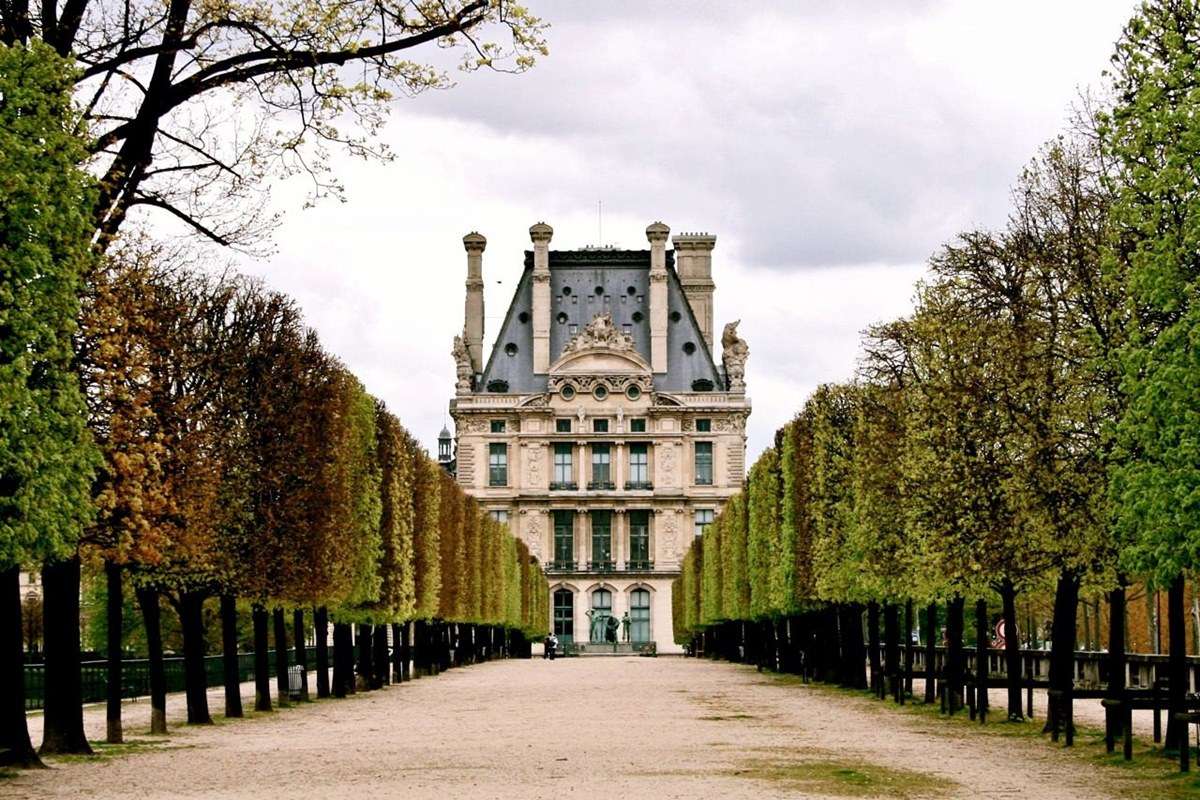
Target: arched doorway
<point x="639" y="615"/>
<point x="564" y="616"/>
<point x="601" y="611"/>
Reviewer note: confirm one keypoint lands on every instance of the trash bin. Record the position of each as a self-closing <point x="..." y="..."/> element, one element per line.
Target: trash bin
<point x="295" y="681"/>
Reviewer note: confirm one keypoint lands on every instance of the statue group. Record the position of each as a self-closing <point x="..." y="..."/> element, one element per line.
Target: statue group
<point x="603" y="627"/>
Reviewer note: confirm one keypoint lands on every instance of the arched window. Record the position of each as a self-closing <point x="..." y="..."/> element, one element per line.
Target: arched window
<point x="564" y="615"/>
<point x="601" y="611"/>
<point x="639" y="615"/>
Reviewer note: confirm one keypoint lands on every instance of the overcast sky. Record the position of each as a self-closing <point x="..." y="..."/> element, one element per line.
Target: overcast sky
<point x="830" y="150"/>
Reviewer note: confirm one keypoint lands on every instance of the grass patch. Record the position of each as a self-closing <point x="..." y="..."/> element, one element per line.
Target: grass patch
<point x="103" y="750"/>
<point x="841" y="778"/>
<point x="1151" y="773"/>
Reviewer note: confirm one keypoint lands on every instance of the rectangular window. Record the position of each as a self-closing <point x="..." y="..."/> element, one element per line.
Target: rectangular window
<point x="497" y="426"/>
<point x="564" y="539"/>
<point x="637" y="426"/>
<point x="704" y="463"/>
<point x="497" y="464"/>
<point x="572" y="328"/>
<point x="600" y="426"/>
<point x="704" y="518"/>
<point x="639" y="540"/>
<point x="500" y="515"/>
<point x="601" y="465"/>
<point x="639" y="463"/>
<point x="562" y="425"/>
<point x="601" y="539"/>
<point x="704" y="425"/>
<point x="562" y="463"/>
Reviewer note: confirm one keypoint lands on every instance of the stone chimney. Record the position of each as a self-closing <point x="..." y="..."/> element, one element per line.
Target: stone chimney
<point x="693" y="263"/>
<point x="540" y="234"/>
<point x="474" y="243"/>
<point x="657" y="234"/>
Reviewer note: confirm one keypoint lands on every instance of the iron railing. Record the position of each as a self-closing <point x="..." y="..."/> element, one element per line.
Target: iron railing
<point x="135" y="675"/>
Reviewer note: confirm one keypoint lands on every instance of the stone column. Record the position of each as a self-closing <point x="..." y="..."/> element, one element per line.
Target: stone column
<point x="619" y="526"/>
<point x="541" y="234"/>
<point x="618" y="465"/>
<point x="657" y="233"/>
<point x="583" y="532"/>
<point x="474" y="244"/>
<point x="693" y="264"/>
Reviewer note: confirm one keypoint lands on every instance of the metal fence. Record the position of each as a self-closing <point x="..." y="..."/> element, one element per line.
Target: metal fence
<point x="135" y="675"/>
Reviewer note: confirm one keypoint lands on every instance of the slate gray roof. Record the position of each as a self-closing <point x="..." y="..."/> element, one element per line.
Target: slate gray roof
<point x="584" y="283"/>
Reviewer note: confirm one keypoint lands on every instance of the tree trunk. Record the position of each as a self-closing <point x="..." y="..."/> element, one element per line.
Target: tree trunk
<point x="891" y="644"/>
<point x="362" y="639"/>
<point x="909" y="620"/>
<point x="1116" y="656"/>
<point x="229" y="656"/>
<point x="147" y="598"/>
<point x="873" y="656"/>
<point x="1176" y="664"/>
<point x="114" y="603"/>
<point x="1012" y="650"/>
<point x="62" y="719"/>
<point x="981" y="659"/>
<point x="380" y="660"/>
<point x="279" y="622"/>
<point x="954" y="654"/>
<point x="1060" y="709"/>
<point x="321" y="634"/>
<point x="262" y="659"/>
<point x="16" y="749"/>
<point x="191" y="617"/>
<point x="931" y="653"/>
<point x="343" y="660"/>
<point x="397" y="653"/>
<point x="301" y="651"/>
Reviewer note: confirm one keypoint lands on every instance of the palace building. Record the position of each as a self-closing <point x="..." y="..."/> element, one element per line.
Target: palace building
<point x="604" y="427"/>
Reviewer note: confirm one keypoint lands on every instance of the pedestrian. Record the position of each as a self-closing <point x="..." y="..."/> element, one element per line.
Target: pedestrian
<point x="552" y="644"/>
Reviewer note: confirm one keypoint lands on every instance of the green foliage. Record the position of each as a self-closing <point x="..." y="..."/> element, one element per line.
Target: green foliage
<point x="1153" y="137"/>
<point x="397" y="594"/>
<point x="735" y="576"/>
<point x="47" y="458"/>
<point x="763" y="545"/>
<point x="710" y="610"/>
<point x="835" y="560"/>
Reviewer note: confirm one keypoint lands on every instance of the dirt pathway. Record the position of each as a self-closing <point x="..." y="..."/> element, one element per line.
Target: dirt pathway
<point x="578" y="728"/>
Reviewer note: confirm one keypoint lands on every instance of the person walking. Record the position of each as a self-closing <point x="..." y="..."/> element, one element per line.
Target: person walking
<point x="551" y="646"/>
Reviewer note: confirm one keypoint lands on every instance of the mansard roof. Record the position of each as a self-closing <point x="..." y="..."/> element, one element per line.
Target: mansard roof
<point x="584" y="283"/>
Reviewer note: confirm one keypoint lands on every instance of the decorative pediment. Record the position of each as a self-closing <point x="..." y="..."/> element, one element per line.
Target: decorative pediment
<point x="601" y="332"/>
<point x="601" y="348"/>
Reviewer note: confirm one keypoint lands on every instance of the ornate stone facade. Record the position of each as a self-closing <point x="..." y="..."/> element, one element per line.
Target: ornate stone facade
<point x="609" y="457"/>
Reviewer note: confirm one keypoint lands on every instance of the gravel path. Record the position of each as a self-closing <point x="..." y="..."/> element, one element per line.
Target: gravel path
<point x="577" y="728"/>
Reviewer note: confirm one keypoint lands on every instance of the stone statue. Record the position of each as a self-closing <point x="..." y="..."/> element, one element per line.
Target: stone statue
<point x="620" y="419"/>
<point x="462" y="361"/>
<point x="582" y="415"/>
<point x="600" y="332"/>
<point x="735" y="351"/>
<point x="625" y="623"/>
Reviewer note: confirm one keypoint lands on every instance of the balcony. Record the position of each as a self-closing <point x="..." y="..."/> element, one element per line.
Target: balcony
<point x="563" y="486"/>
<point x="638" y="486"/>
<point x="602" y="566"/>
<point x="601" y="486"/>
<point x="561" y="566"/>
<point x="639" y="566"/>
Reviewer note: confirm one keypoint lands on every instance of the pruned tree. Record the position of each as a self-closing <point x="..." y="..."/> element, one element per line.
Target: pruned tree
<point x="47" y="458"/>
